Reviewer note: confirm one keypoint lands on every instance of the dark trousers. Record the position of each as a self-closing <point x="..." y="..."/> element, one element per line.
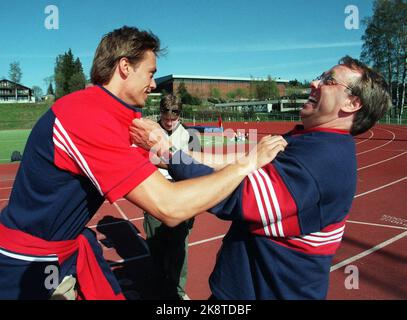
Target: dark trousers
<point x="169" y="251"/>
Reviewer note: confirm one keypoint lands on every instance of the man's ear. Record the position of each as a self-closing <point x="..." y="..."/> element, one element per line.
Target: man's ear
<point x="353" y="104"/>
<point x="124" y="67"/>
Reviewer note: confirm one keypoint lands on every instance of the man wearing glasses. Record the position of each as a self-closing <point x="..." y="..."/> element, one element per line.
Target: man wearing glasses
<point x="288" y="217"/>
<point x="169" y="245"/>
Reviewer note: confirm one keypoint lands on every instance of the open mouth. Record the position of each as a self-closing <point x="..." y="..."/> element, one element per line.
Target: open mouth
<point x="312" y="99"/>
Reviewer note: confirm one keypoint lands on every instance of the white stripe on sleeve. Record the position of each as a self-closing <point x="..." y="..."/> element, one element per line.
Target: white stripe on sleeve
<point x="259" y="204"/>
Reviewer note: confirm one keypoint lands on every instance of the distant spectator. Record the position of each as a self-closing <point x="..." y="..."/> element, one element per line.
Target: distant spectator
<point x="169" y="245"/>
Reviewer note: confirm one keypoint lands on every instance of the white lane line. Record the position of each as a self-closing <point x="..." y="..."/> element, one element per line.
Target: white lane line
<point x="205" y="240"/>
<point x="6" y="188"/>
<point x="401" y="128"/>
<point x="121" y="211"/>
<point x="121" y="199"/>
<point x="367" y="252"/>
<point x="385" y="160"/>
<point x="371" y="135"/>
<point x="112" y="223"/>
<point x="379" y="188"/>
<point x="376" y="224"/>
<point x="381" y="146"/>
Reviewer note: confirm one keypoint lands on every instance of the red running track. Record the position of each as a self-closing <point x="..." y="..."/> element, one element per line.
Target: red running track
<point x="373" y="245"/>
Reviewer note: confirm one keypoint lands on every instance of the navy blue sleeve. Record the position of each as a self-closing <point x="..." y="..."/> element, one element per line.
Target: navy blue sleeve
<point x="182" y="166"/>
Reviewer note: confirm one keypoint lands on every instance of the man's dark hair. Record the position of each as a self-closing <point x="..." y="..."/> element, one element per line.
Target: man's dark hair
<point x="373" y="92"/>
<point x="126" y="42"/>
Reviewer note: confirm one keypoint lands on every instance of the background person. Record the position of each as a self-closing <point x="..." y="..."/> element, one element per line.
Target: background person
<point x="169" y="245"/>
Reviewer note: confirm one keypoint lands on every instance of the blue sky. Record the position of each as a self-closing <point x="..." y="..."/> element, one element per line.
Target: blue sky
<point x="291" y="39"/>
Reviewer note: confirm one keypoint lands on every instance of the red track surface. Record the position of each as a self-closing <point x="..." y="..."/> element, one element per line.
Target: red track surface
<point x="374" y="241"/>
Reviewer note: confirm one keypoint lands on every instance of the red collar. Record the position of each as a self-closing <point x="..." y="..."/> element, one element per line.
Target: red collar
<point x="299" y="129"/>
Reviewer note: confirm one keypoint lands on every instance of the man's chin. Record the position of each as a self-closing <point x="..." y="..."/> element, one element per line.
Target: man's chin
<point x="307" y="110"/>
<point x="141" y="104"/>
<point x="303" y="114"/>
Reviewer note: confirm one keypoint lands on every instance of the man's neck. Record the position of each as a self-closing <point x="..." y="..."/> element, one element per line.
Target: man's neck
<point x="117" y="89"/>
<point x="343" y="123"/>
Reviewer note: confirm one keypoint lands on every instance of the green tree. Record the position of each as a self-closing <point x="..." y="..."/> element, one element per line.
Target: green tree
<point x="260" y="90"/>
<point x="38" y="93"/>
<point x="385" y="45"/>
<point x="182" y="90"/>
<point x="48" y="84"/>
<point x="294" y="83"/>
<point x="186" y="97"/>
<point x="68" y="75"/>
<point x="306" y="84"/>
<point x="215" y="93"/>
<point x="401" y="53"/>
<point x="231" y="95"/>
<point x="273" y="92"/>
<point x="265" y="89"/>
<point x="241" y="93"/>
<point x="50" y="89"/>
<point x="77" y="80"/>
<point x="15" y="75"/>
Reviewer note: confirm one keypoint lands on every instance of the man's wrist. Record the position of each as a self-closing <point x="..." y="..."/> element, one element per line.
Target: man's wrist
<point x="245" y="166"/>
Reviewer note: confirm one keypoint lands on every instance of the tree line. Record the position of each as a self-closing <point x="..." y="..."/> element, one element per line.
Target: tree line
<point x="68" y="76"/>
<point x="260" y="90"/>
<point x="385" y="47"/>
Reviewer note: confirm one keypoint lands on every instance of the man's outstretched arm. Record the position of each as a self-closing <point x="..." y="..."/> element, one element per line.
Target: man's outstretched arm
<point x="149" y="135"/>
<point x="173" y="203"/>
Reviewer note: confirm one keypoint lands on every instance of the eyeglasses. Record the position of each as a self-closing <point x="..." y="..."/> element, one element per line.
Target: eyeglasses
<point x="329" y="80"/>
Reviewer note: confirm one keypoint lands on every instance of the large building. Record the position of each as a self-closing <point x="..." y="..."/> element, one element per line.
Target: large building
<point x="203" y="86"/>
<point x="11" y="92"/>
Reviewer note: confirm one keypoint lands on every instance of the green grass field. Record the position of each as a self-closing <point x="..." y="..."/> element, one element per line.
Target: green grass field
<point x="218" y="140"/>
<point x="16" y="121"/>
<point x="12" y="140"/>
<point x="21" y="115"/>
<point x="210" y="141"/>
